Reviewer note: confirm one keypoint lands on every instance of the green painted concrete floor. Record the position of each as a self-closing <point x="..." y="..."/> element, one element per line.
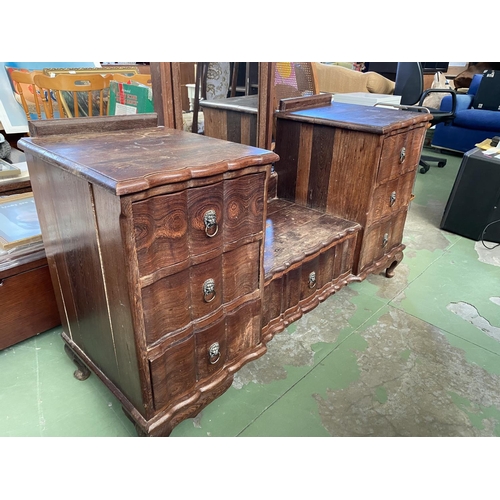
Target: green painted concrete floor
<point x="415" y="355"/>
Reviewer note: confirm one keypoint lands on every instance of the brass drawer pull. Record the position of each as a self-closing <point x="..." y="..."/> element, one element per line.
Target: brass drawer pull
<point x="214" y="353"/>
<point x="392" y="198"/>
<point x="209" y="290"/>
<point x="211" y="226"/>
<point x="385" y="240"/>
<point x="312" y="280"/>
<point x="402" y="155"/>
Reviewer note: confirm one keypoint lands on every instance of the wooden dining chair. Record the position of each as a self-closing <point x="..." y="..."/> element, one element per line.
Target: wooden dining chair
<point x="294" y="79"/>
<point x="75" y="95"/>
<point x="143" y="78"/>
<point x="25" y="88"/>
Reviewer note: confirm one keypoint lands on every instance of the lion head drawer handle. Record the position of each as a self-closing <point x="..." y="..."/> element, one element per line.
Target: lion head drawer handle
<point x="385" y="240"/>
<point x="211" y="226"/>
<point x="312" y="280"/>
<point x="392" y="198"/>
<point x="402" y="155"/>
<point x="209" y="290"/>
<point x="214" y="353"/>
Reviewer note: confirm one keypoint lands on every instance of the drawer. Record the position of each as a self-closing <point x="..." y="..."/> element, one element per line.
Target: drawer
<point x="391" y="197"/>
<point x="285" y="291"/>
<point x="195" y="354"/>
<point x="173" y="372"/>
<point x="243" y="207"/>
<point x="400" y="154"/>
<point x="381" y="238"/>
<point x="174" y="301"/>
<point x="173" y="228"/>
<point x="170" y="228"/>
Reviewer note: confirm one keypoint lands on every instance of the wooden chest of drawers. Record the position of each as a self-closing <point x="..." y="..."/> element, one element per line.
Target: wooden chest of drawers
<point x="357" y="163"/>
<point x="174" y="262"/>
<point x="156" y="242"/>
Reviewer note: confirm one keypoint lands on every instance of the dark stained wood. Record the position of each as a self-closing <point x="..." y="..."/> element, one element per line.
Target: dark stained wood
<point x="14" y="186"/>
<point x="28" y="302"/>
<point x="350" y="162"/>
<point x="233" y="119"/>
<point x="167" y="99"/>
<point x="96" y="124"/>
<point x="265" y="114"/>
<point x="142" y="159"/>
<point x="296" y="103"/>
<point x="372" y="119"/>
<point x="143" y="195"/>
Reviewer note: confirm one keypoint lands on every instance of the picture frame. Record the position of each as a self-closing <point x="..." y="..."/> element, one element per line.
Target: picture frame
<point x="18" y="221"/>
<point x="8" y="170"/>
<point x="124" y="70"/>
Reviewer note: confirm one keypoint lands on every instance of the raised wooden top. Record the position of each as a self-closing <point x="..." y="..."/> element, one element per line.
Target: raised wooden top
<point x="243" y="104"/>
<point x="130" y="161"/>
<point x="374" y="119"/>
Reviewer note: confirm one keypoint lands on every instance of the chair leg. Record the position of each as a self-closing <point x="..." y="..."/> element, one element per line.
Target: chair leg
<point x="424" y="165"/>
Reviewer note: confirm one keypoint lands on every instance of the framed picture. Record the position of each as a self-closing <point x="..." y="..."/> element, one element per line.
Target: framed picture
<point x="18" y="221"/>
<point x="123" y="70"/>
<point x="8" y="170"/>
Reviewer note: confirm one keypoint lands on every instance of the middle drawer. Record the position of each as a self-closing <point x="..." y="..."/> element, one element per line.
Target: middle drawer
<point x="174" y="301"/>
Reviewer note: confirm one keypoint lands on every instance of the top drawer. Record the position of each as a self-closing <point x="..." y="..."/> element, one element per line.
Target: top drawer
<point x="400" y="154"/>
<point x="173" y="227"/>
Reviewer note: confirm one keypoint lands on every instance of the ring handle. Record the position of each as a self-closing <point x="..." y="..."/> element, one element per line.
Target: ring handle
<point x="312" y="280"/>
<point x="209" y="290"/>
<point x="402" y="155"/>
<point x="211" y="225"/>
<point x="214" y="353"/>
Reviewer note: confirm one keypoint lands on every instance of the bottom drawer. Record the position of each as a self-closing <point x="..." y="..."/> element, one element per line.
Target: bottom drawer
<point x="379" y="239"/>
<point x="190" y="358"/>
<point x="285" y="291"/>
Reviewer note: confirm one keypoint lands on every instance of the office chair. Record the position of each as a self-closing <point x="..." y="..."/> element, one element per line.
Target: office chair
<point x="410" y="86"/>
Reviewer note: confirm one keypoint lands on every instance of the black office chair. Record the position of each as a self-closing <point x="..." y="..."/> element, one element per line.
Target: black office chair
<point x="410" y="86"/>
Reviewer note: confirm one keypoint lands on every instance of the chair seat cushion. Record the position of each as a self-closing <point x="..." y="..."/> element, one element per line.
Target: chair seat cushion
<point x="478" y="119"/>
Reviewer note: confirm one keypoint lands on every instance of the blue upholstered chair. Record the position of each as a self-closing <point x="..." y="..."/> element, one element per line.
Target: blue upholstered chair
<point x="469" y="126"/>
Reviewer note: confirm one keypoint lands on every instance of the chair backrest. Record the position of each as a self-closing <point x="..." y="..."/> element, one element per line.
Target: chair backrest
<point x="75" y="95"/>
<point x="294" y="79"/>
<point x="409" y="82"/>
<point x="26" y="90"/>
<point x="145" y="79"/>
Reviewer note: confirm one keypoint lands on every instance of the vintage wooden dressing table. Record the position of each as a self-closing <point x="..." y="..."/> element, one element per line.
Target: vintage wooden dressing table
<point x="175" y="260"/>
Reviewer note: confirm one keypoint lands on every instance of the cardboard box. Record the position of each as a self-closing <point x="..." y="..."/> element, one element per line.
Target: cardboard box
<point x="129" y="98"/>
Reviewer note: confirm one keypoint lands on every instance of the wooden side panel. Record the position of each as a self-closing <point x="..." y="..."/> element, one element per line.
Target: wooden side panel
<point x="215" y="123"/>
<point x="67" y="220"/>
<point x="114" y="261"/>
<point x="288" y="144"/>
<point x="354" y="165"/>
